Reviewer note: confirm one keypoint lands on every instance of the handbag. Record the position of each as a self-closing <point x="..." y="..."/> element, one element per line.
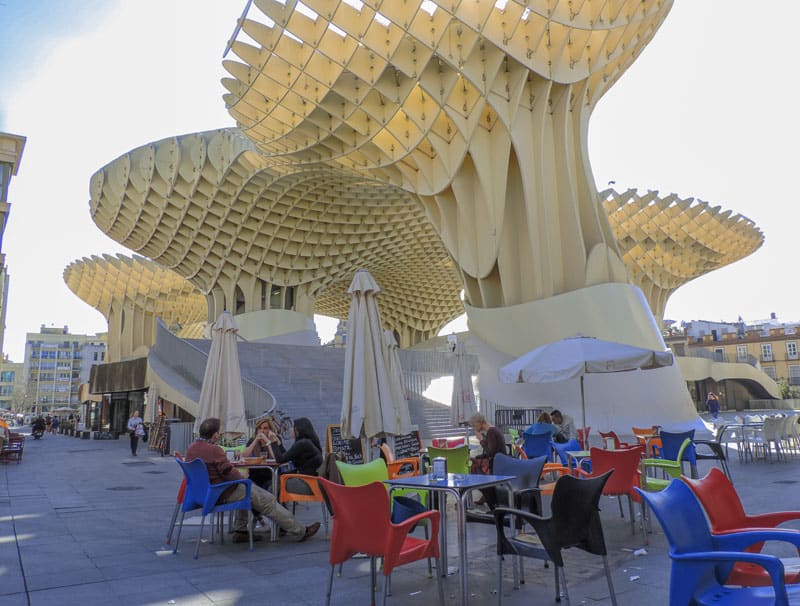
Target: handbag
<point x="405" y="508"/>
<point x="145" y="435"/>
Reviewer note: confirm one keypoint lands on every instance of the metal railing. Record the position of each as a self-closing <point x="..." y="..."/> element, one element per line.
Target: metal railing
<point x="718" y="356"/>
<point x="435" y="362"/>
<point x="189" y="362"/>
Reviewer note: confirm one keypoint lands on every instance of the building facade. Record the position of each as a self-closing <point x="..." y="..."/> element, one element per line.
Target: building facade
<point x="56" y="363"/>
<point x="11" y="147"/>
<point x="12" y="385"/>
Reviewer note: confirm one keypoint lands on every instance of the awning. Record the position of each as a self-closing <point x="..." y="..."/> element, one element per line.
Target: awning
<point x="114" y="377"/>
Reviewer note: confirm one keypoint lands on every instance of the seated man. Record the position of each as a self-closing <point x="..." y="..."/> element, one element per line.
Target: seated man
<point x="565" y="425"/>
<point x="220" y="469"/>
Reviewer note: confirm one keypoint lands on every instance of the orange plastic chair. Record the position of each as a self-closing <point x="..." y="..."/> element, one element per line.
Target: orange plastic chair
<point x="388" y="455"/>
<point x="402" y="468"/>
<point x="312" y="482"/>
<point x="178" y="502"/>
<point x="362" y="524"/>
<point x="520" y="452"/>
<point x="556" y="470"/>
<point x="648" y="438"/>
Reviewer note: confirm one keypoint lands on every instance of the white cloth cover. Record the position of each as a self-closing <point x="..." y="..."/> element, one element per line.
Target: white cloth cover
<point x="400" y="398"/>
<point x="462" y="402"/>
<point x="151" y="407"/>
<point x="576" y="356"/>
<point x="221" y="394"/>
<point x="368" y="400"/>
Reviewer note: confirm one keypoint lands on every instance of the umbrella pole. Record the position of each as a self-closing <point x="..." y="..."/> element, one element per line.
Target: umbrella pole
<point x="583" y="411"/>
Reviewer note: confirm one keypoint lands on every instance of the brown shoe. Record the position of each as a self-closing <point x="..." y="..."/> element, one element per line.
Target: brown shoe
<point x="310" y="531"/>
<point x="241" y="537"/>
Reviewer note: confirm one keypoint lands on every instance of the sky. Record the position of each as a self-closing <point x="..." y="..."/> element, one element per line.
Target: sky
<point x="706" y="111"/>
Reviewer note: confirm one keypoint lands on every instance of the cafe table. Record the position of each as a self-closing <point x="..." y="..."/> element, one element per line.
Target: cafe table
<point x="245" y="465"/>
<point x="459" y="486"/>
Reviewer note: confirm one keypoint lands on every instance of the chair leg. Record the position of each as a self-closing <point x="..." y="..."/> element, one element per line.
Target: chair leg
<point x="325" y="518"/>
<point x="439" y="584"/>
<point x="178" y="538"/>
<point x="610" y="584"/>
<point x="630" y="513"/>
<point x="515" y="572"/>
<point x="372" y="580"/>
<point x="564" y="582"/>
<point x="644" y="524"/>
<point x="499" y="580"/>
<point x="250" y="523"/>
<point x="427" y="537"/>
<point x="521" y="570"/>
<point x="619" y="502"/>
<point x="340" y="569"/>
<point x="200" y="535"/>
<point x="330" y="586"/>
<point x="172" y="522"/>
<point x="558" y="583"/>
<point x="386" y="589"/>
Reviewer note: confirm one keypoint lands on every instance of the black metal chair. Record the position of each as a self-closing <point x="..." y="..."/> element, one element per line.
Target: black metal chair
<point x="717" y="451"/>
<point x="574" y="522"/>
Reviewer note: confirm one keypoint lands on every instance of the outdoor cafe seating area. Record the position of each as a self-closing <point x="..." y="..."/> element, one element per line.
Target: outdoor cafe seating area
<point x="546" y="500"/>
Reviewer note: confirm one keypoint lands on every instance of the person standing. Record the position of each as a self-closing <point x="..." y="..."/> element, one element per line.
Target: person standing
<point x="492" y="441"/>
<point x="712" y="404"/>
<point x="135" y="430"/>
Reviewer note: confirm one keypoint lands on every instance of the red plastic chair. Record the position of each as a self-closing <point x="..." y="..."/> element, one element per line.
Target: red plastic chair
<point x="178" y="503"/>
<point x="361" y="524"/>
<point x="726" y="514"/>
<point x="623" y="481"/>
<point x="584" y="440"/>
<point x="612" y="436"/>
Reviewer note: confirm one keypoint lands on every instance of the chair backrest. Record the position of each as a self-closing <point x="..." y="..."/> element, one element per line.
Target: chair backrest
<point x="197" y="483"/>
<point x="526" y="472"/>
<point x="388" y="455"/>
<point x="623" y="465"/>
<point x="772" y="428"/>
<point x="720" y="500"/>
<point x="576" y="518"/>
<point x="457" y="458"/>
<point x="643" y="431"/>
<point x="563" y="449"/>
<point x="361" y="519"/>
<point x="536" y="445"/>
<point x="610" y="440"/>
<point x="672" y="442"/>
<point x="359" y="475"/>
<point x="403" y="467"/>
<point x="685" y="526"/>
<point x="584" y="440"/>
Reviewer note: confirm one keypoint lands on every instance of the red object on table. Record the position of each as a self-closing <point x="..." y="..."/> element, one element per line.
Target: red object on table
<point x="448" y="442"/>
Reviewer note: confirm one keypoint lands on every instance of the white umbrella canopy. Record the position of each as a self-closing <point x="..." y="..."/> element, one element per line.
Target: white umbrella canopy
<point x="462" y="402"/>
<point x="577" y="356"/>
<point x="221" y="394"/>
<point x="392" y="359"/>
<point x="368" y="399"/>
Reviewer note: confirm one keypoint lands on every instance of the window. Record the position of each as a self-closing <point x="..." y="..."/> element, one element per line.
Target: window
<point x="741" y="353"/>
<point x="7" y="376"/>
<point x="719" y="354"/>
<point x="794" y="375"/>
<point x="770" y="372"/>
<point x="791" y="350"/>
<point x="95" y="356"/>
<point x="766" y="352"/>
<point x="102" y="356"/>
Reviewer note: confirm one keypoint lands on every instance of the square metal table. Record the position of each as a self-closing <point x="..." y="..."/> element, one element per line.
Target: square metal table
<point x="458" y="486"/>
<point x="577" y="456"/>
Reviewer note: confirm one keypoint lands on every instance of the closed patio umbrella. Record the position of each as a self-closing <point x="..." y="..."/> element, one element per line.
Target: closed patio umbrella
<point x="390" y="348"/>
<point x="368" y="399"/>
<point x="151" y="408"/>
<point x="462" y="402"/>
<point x="577" y="356"/>
<point x="221" y="395"/>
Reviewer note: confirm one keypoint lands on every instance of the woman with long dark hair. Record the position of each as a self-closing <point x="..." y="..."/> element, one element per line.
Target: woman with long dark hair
<point x="305" y="453"/>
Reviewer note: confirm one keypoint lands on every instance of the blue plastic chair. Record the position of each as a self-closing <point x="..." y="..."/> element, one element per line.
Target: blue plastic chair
<point x="700" y="558"/>
<point x="202" y="494"/>
<point x="671" y="445"/>
<point x="536" y="445"/>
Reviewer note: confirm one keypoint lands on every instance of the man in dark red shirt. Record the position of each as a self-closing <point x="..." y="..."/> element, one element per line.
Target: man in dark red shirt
<point x="220" y="469"/>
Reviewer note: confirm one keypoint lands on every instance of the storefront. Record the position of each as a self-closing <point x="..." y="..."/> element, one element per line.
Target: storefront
<point x="122" y="386"/>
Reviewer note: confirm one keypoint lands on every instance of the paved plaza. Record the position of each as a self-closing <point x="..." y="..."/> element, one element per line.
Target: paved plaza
<point x="83" y="522"/>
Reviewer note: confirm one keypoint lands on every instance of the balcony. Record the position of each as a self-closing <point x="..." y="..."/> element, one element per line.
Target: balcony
<point x="767" y="358"/>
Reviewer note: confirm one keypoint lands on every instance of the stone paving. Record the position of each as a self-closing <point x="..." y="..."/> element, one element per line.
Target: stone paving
<point x="83" y="522"/>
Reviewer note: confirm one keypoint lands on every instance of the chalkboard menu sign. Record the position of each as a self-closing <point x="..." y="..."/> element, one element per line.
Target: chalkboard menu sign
<point x="352" y="450"/>
<point x="407" y="445"/>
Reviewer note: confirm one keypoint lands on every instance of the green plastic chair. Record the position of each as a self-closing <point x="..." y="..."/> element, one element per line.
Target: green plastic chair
<point x="672" y="468"/>
<point x="457" y="458"/>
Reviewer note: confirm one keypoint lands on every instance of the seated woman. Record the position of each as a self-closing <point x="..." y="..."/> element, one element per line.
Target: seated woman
<point x="305" y="453"/>
<point x="492" y="441"/>
<point x="257" y="447"/>
<point x="544" y="424"/>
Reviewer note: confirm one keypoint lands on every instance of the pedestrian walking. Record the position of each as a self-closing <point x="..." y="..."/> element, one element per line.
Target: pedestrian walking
<point x="712" y="404"/>
<point x="135" y="430"/>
